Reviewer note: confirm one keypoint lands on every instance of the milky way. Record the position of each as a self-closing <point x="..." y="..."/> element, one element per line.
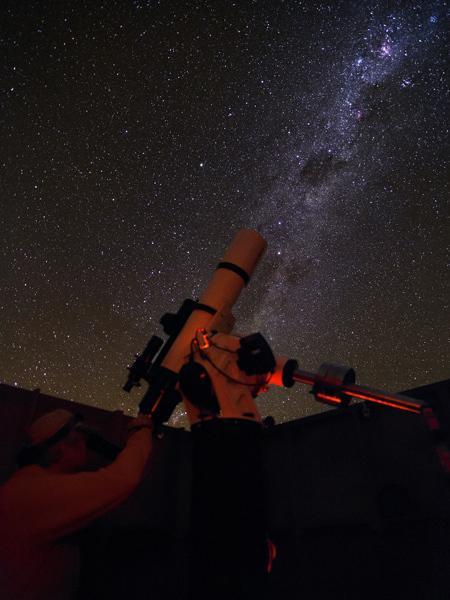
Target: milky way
<point x="335" y="155"/>
<point x="138" y="136"/>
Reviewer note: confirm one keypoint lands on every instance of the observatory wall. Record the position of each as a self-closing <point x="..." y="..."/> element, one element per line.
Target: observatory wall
<point x="356" y="499"/>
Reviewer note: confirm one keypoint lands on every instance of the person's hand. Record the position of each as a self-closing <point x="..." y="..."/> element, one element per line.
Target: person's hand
<point x="139" y="422"/>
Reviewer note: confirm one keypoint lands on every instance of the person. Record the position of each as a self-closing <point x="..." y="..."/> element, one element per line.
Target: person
<point x="53" y="497"/>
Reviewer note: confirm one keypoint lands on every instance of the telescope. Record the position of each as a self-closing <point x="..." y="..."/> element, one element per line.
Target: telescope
<point x="217" y="375"/>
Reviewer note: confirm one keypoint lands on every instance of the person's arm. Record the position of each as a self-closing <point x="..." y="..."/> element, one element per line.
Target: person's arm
<point x="50" y="506"/>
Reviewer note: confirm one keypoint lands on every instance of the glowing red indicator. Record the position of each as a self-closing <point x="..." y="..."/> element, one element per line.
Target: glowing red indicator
<point x="272" y="554"/>
<point x="328" y="398"/>
<point x="411" y="408"/>
<point x="202" y="339"/>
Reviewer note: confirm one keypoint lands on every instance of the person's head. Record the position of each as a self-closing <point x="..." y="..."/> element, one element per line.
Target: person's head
<point x="56" y="442"/>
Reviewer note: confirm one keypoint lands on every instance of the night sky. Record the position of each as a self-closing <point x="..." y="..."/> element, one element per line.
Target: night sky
<point x="138" y="136"/>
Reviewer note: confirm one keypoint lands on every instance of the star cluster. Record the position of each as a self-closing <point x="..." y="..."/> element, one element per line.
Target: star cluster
<point x="138" y="136"/>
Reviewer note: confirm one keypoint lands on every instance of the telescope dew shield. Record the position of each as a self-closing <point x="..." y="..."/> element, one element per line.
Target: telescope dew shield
<point x="230" y="277"/>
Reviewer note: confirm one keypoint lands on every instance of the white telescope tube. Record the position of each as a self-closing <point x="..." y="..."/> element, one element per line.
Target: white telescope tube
<point x="232" y="274"/>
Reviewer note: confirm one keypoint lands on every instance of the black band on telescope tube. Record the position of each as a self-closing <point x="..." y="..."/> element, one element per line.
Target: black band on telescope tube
<point x="205" y="308"/>
<point x="232" y="267"/>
